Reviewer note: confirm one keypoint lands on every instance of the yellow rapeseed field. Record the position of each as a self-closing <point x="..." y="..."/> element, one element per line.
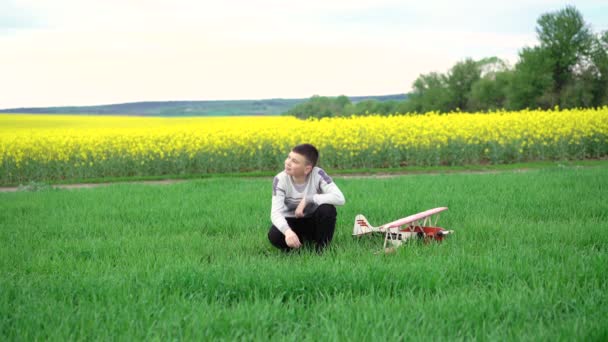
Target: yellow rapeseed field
<point x="45" y="147"/>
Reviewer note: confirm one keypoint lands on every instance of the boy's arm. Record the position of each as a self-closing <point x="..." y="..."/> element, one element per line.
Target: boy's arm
<point x="278" y="206"/>
<point x="331" y="194"/>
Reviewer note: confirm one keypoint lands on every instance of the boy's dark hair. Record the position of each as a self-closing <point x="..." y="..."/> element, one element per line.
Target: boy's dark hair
<point x="310" y="152"/>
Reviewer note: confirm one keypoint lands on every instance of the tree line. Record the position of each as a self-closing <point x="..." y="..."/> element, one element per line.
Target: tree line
<point x="569" y="69"/>
<point x="323" y="106"/>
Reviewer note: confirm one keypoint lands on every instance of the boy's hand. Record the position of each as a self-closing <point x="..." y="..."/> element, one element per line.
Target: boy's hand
<point x="291" y="239"/>
<point x="300" y="209"/>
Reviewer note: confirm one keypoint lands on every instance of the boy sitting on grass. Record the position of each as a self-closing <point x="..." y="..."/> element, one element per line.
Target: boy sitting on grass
<point x="303" y="202"/>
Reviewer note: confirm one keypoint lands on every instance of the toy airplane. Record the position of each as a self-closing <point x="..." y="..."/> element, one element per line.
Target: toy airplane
<point x="399" y="231"/>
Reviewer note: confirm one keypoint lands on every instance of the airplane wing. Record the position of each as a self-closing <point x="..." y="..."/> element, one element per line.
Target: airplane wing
<point x="413" y="218"/>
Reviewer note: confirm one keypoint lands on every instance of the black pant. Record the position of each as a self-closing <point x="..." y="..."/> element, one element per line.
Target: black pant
<point x="318" y="228"/>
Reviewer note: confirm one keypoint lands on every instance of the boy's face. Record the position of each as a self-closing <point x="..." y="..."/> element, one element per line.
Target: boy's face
<point x="296" y="165"/>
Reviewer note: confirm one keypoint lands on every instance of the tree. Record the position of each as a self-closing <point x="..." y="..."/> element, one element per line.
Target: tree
<point x="567" y="40"/>
<point x="490" y="91"/>
<point x="339" y="105"/>
<point x="365" y="107"/>
<point x="430" y="92"/>
<point x="490" y="66"/>
<point x="599" y="58"/>
<point x="532" y="82"/>
<point x="460" y="80"/>
<point x="579" y="91"/>
<point x="321" y="106"/>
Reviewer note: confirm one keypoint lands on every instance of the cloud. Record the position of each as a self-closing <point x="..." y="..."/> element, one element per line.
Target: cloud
<point x="68" y="67"/>
<point x="14" y="17"/>
<point x="91" y="52"/>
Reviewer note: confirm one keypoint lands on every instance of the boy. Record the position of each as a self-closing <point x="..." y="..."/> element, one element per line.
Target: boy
<point x="303" y="202"/>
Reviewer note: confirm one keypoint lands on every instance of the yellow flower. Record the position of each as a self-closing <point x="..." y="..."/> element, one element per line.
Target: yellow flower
<point x="244" y="143"/>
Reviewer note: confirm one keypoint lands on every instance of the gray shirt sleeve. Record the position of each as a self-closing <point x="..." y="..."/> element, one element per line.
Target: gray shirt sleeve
<point x="278" y="205"/>
<point x="330" y="193"/>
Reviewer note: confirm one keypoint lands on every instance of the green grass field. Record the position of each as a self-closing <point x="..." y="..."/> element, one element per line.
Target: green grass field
<point x="528" y="261"/>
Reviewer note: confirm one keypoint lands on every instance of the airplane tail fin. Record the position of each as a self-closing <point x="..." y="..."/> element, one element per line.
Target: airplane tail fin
<point x="362" y="226"/>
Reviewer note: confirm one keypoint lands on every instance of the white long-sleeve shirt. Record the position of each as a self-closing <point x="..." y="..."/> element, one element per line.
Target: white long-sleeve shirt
<point x="286" y="195"/>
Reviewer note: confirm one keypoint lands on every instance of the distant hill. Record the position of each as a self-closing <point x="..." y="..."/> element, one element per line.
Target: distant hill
<point x="190" y="108"/>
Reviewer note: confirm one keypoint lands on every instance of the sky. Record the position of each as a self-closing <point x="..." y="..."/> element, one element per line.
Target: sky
<point x="92" y="52"/>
